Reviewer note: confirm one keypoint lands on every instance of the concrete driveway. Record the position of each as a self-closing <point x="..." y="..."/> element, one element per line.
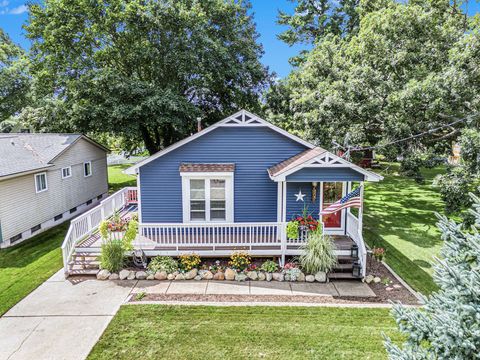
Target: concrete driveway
<point x="60" y="319"/>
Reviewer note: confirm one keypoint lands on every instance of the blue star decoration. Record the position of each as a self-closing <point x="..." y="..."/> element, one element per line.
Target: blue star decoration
<point x="300" y="196"/>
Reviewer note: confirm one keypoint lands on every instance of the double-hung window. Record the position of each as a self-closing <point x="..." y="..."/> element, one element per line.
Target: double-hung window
<point x="207" y="198"/>
<point x="41" y="182"/>
<point x="66" y="172"/>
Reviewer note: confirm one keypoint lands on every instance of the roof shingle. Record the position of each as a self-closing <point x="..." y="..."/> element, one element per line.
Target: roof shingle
<point x="295" y="161"/>
<point x="220" y="167"/>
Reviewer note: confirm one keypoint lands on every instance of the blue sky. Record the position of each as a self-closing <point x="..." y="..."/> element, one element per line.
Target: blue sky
<point x="13" y="15"/>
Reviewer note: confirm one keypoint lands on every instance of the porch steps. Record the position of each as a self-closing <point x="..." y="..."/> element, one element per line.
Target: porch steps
<point x="84" y="263"/>
<point x="344" y="268"/>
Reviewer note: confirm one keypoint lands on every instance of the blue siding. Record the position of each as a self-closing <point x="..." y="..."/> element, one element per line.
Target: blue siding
<point x="252" y="149"/>
<point x="326" y="174"/>
<point x="295" y="207"/>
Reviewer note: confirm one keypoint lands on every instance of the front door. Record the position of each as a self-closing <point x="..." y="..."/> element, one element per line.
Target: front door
<point x="331" y="193"/>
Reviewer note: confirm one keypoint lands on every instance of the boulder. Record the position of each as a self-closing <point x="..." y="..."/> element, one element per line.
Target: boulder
<point x="103" y="274"/>
<point x="198" y="278"/>
<point x="161" y="275"/>
<point x="397" y="286"/>
<point x="278" y="277"/>
<point x="241" y="277"/>
<point x="288" y="277"/>
<point x="219" y="276"/>
<point x="389" y="288"/>
<point x="301" y="277"/>
<point x="141" y="275"/>
<point x="369" y="278"/>
<point x="252" y="275"/>
<point x="171" y="276"/>
<point x="376" y="279"/>
<point x="261" y="276"/>
<point x="131" y="275"/>
<point x="123" y="274"/>
<point x="321" y="276"/>
<point x="268" y="276"/>
<point x="310" y="278"/>
<point x="191" y="274"/>
<point x="180" y="277"/>
<point x="151" y="277"/>
<point x="207" y="275"/>
<point x="230" y="274"/>
<point x="114" y="276"/>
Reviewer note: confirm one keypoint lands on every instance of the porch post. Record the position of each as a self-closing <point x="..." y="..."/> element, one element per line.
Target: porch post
<point x="360" y="211"/>
<point x="284" y="221"/>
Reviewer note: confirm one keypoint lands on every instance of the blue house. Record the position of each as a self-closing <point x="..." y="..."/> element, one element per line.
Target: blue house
<point x="235" y="185"/>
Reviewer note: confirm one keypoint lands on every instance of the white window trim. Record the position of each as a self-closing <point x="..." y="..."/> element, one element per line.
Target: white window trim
<point x="229" y="195"/>
<point x="69" y="171"/>
<point x="36" y="182"/>
<point x="91" y="169"/>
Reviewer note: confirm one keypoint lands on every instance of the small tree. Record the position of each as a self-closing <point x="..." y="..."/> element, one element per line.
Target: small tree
<point x="448" y="325"/>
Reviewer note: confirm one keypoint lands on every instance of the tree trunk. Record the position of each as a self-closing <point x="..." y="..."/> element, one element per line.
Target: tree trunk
<point x="150" y="144"/>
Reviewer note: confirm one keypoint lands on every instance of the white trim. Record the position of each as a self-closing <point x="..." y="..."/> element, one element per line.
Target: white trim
<point x="90" y="167"/>
<point x="229" y="196"/>
<point x="284" y="202"/>
<point x="223" y="123"/>
<point x="36" y="182"/>
<point x="69" y="172"/>
<point x="139" y="198"/>
<point x="279" y="201"/>
<point x="338" y="230"/>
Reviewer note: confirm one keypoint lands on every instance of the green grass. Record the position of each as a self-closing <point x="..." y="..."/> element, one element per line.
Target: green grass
<point x="25" y="266"/>
<point x="117" y="180"/>
<point x="399" y="216"/>
<point x="257" y="332"/>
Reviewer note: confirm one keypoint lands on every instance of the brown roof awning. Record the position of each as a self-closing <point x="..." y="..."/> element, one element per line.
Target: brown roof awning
<point x="190" y="167"/>
<point x="295" y="161"/>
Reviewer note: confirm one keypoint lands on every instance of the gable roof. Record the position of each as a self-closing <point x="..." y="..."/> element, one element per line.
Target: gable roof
<point x="277" y="172"/>
<point x="21" y="153"/>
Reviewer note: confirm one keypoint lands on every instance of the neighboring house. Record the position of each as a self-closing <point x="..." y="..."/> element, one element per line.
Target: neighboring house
<point x="235" y="185"/>
<point x="46" y="179"/>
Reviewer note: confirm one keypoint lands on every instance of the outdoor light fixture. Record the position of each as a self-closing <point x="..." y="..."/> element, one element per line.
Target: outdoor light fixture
<point x="357" y="270"/>
<point x="354" y="251"/>
<point x="314" y="191"/>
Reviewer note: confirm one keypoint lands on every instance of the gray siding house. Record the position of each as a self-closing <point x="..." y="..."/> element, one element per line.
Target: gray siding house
<point x="46" y="179"/>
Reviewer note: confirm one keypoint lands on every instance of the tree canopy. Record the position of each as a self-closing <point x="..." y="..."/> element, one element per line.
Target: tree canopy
<point x="144" y="69"/>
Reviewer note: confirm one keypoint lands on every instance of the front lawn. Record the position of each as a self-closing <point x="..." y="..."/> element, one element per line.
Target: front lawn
<point x="202" y="332"/>
<point x="399" y="216"/>
<point x="25" y="266"/>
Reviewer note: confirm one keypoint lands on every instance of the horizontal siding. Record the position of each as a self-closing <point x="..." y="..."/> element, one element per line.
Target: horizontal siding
<point x="326" y="174"/>
<point x="22" y="208"/>
<point x="252" y="149"/>
<point x="294" y="207"/>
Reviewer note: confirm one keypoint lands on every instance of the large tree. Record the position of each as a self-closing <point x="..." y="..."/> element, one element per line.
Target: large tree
<point x="14" y="81"/>
<point x="145" y="69"/>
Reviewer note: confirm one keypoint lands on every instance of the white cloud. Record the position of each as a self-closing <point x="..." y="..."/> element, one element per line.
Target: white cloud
<point x="18" y="10"/>
<point x="3" y="3"/>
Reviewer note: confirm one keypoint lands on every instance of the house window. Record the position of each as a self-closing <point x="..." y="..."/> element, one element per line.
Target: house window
<point x="58" y="217"/>
<point x="41" y="182"/>
<point x="66" y="172"/>
<point x="89" y="202"/>
<point x="15" y="238"/>
<point x="87" y="168"/>
<point x="207" y="199"/>
<point x="35" y="228"/>
<point x="72" y="210"/>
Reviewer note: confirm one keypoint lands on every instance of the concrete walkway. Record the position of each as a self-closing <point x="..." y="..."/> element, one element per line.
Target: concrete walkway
<point x="60" y="320"/>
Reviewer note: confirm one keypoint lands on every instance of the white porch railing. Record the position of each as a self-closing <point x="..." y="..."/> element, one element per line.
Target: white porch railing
<point x="354" y="231"/>
<point x="88" y="222"/>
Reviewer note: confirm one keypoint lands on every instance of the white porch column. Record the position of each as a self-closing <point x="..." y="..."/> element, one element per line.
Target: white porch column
<point x="360" y="211"/>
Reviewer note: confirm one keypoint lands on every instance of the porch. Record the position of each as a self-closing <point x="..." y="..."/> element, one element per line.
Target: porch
<point x="207" y="240"/>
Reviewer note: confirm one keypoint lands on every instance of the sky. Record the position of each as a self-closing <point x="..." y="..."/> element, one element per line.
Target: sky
<point x="13" y="14"/>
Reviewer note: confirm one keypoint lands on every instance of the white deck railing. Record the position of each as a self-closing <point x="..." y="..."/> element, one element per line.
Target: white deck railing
<point x="354" y="231"/>
<point x="88" y="222"/>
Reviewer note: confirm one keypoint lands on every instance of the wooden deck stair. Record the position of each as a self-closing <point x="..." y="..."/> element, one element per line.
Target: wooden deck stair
<point x="343" y="269"/>
<point x="84" y="263"/>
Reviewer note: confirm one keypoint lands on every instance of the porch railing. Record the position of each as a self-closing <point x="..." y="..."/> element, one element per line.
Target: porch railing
<point x="354" y="231"/>
<point x="88" y="222"/>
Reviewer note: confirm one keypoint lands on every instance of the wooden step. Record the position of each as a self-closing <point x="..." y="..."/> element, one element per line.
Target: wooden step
<point x="341" y="275"/>
<point x="84" y="262"/>
<point x="346" y="258"/>
<point x="343" y="267"/>
<point x="83" y="272"/>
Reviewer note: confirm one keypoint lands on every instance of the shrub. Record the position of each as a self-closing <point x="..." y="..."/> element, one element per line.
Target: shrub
<point x="318" y="253"/>
<point x="292" y="229"/>
<point x="189" y="261"/>
<point x="269" y="266"/>
<point x="239" y="260"/>
<point x="378" y="253"/>
<point x="163" y="263"/>
<point x="112" y="256"/>
<point x="130" y="235"/>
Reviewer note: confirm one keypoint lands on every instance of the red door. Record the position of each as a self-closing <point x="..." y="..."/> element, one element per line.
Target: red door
<point x="332" y="192"/>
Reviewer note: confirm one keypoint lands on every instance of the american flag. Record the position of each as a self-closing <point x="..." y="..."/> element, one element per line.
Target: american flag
<point x="352" y="199"/>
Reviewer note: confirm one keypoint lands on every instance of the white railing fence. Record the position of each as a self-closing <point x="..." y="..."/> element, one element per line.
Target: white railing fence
<point x="88" y="222"/>
<point x="355" y="232"/>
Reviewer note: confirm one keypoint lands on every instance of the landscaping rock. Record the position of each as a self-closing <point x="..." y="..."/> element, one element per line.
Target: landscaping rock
<point x="230" y="274"/>
<point x="198" y="277"/>
<point x="151" y="277"/>
<point x="103" y="274"/>
<point x="287" y="277"/>
<point x="141" y="275"/>
<point x="252" y="275"/>
<point x="161" y="275"/>
<point x="207" y="275"/>
<point x="219" y="276"/>
<point x="278" y="277"/>
<point x="397" y="286"/>
<point x="114" y="276"/>
<point x="240" y="277"/>
<point x="369" y="279"/>
<point x="389" y="288"/>
<point x="131" y="275"/>
<point x="171" y="276"/>
<point x="268" y="276"/>
<point x="123" y="274"/>
<point x="261" y="276"/>
<point x="376" y="279"/>
<point x="180" y="277"/>
<point x="321" y="276"/>
<point x="301" y="277"/>
<point x="310" y="278"/>
<point x="191" y="274"/>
